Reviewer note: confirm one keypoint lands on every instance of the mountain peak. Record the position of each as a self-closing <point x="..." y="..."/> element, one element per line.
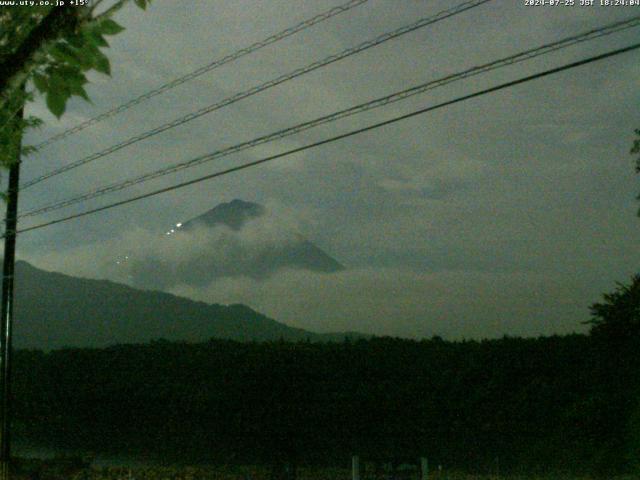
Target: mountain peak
<point x="256" y="252"/>
<point x="233" y="214"/>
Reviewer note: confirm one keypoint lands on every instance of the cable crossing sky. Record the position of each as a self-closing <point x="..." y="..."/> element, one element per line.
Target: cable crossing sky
<point x="423" y="22"/>
<point x="376" y="103"/>
<point x="341" y="136"/>
<point x="206" y="68"/>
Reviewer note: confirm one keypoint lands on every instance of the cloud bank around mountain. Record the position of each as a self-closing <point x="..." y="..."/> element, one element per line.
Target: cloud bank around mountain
<point x="217" y="265"/>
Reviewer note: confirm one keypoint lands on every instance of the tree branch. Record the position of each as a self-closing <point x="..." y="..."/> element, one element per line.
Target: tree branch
<point x="14" y="69"/>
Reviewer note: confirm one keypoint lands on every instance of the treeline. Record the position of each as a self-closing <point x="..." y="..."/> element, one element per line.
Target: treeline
<point x="556" y="403"/>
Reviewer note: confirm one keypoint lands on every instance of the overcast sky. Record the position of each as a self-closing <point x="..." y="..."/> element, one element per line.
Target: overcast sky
<point x="506" y="214"/>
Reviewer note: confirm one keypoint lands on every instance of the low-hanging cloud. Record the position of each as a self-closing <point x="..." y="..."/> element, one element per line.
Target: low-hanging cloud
<point x="402" y="302"/>
<point x="194" y="256"/>
<point x="218" y="265"/>
<point x="386" y="301"/>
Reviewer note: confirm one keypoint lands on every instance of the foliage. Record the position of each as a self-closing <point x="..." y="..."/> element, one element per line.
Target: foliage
<point x="539" y="405"/>
<point x="616" y="334"/>
<point x="618" y="316"/>
<point x="49" y="50"/>
<point x="636" y="149"/>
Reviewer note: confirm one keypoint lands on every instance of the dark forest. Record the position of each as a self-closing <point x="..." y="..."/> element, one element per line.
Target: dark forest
<point x="559" y="403"/>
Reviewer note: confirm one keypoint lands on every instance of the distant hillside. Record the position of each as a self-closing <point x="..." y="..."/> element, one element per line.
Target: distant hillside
<point x="55" y="310"/>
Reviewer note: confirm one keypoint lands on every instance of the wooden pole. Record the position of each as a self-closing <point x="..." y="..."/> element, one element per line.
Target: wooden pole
<point x="6" y="321"/>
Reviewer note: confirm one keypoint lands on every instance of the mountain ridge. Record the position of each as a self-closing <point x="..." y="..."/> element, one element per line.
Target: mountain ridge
<point x="54" y="310"/>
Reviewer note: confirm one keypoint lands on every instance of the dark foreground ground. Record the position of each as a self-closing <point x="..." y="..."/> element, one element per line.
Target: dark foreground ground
<point x="263" y="473"/>
<point x="258" y="473"/>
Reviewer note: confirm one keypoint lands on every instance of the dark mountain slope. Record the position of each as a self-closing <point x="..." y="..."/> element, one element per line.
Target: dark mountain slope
<point x="55" y="310"/>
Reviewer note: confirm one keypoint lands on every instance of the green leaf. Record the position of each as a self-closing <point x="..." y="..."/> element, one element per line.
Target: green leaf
<point x="80" y="91"/>
<point x="101" y="64"/>
<point x="56" y="102"/>
<point x="76" y="40"/>
<point x="58" y="83"/>
<point x="70" y="74"/>
<point x="90" y="52"/>
<point x="92" y="34"/>
<point x="97" y="39"/>
<point x="40" y="82"/>
<point x="110" y="27"/>
<point x="97" y="59"/>
<point x="142" y="4"/>
<point x="67" y="54"/>
<point x="84" y="57"/>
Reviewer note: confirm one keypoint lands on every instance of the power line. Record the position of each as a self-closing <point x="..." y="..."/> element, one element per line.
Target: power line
<point x="423" y="22"/>
<point x="379" y="102"/>
<point x="206" y="68"/>
<point x="339" y="137"/>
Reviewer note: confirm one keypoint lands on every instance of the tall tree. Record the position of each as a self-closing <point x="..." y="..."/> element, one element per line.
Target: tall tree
<point x="618" y="316"/>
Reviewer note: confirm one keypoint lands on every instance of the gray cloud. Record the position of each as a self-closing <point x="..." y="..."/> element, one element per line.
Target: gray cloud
<point x="407" y="303"/>
<point x="161" y="260"/>
<point x="534" y="183"/>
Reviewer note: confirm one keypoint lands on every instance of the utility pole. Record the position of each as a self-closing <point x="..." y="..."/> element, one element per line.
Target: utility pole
<point x="6" y="321"/>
